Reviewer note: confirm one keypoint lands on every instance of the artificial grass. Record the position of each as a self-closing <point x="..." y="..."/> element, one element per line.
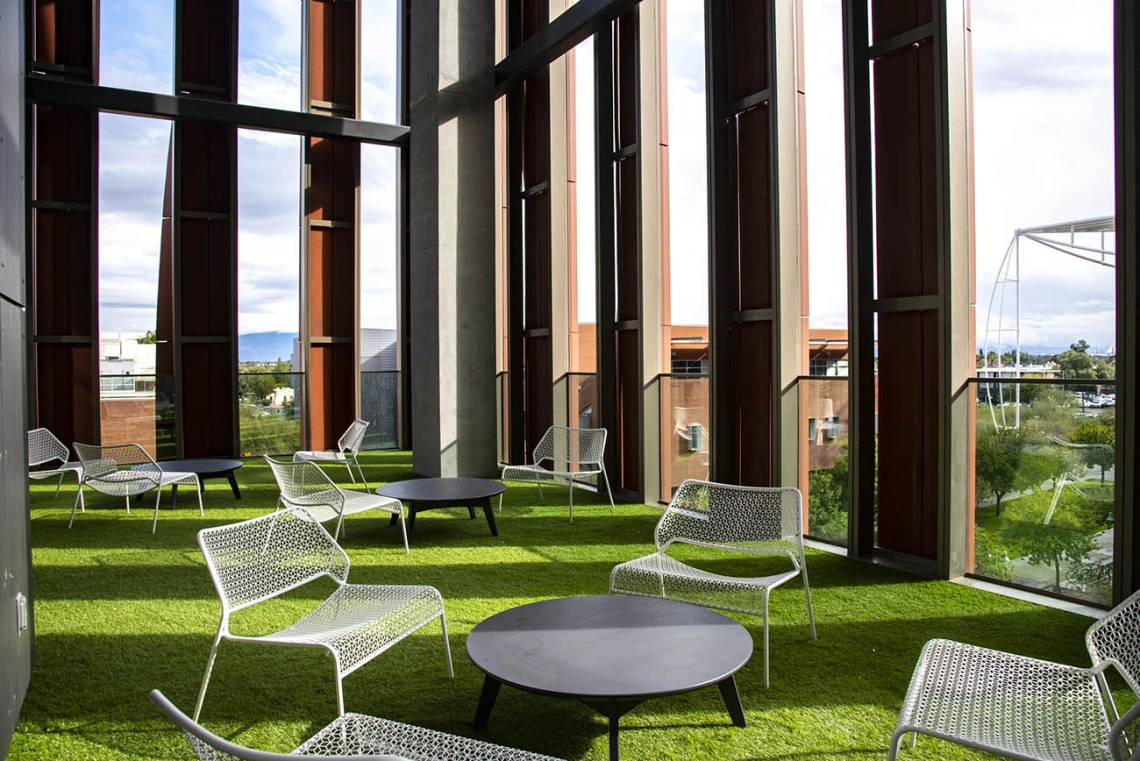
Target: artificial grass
<point x="119" y="611"/>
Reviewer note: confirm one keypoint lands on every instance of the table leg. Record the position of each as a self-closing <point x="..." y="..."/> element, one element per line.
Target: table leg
<point x="471" y="511"/>
<point x="731" y="697"/>
<point x="173" y="496"/>
<point x="394" y="519"/>
<point x="411" y="519"/>
<point x="613" y="714"/>
<point x="487" y="697"/>
<point x="487" y="511"/>
<point x="232" y="478"/>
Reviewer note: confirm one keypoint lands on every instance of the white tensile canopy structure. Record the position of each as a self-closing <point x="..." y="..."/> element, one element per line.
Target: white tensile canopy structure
<point x="1092" y="240"/>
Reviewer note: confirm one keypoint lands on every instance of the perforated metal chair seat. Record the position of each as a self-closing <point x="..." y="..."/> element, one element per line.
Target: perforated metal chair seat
<point x="360" y="621"/>
<point x="355" y="734"/>
<point x="537" y="473"/>
<point x="322" y="505"/>
<point x="352" y="736"/>
<point x="659" y="575"/>
<point x="350" y="442"/>
<point x="739" y="519"/>
<point x="70" y="467"/>
<point x="127" y="470"/>
<point x="562" y="447"/>
<point x="1007" y="704"/>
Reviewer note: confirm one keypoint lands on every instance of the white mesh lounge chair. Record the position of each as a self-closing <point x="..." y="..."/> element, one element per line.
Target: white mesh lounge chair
<point x="45" y="449"/>
<point x="1024" y="708"/>
<point x="352" y="736"/>
<point x="347" y="447"/>
<point x="736" y="518"/>
<point x="305" y="485"/>
<point x="126" y="470"/>
<point x="564" y="448"/>
<point x="259" y="559"/>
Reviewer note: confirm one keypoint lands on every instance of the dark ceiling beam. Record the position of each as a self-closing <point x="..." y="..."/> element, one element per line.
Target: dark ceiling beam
<point x="557" y="38"/>
<point x="51" y="92"/>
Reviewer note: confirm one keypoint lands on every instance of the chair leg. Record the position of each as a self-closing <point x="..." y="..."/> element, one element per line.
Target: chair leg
<point x="339" y="522"/>
<point x="198" y="483"/>
<point x="571" y="500"/>
<point x="206" y="677"/>
<point x="78" y="501"/>
<point x="501" y="501"/>
<point x="350" y="474"/>
<point x="896" y="740"/>
<point x="608" y="491"/>
<point x="446" y="642"/>
<point x="807" y="593"/>
<point x="154" y="525"/>
<point x="765" y="638"/>
<point x="404" y="529"/>
<point x="339" y="691"/>
<point x="540" y="492"/>
<point x="57" y="486"/>
<point x="363" y="478"/>
<point x="128" y="504"/>
<point x="79" y="484"/>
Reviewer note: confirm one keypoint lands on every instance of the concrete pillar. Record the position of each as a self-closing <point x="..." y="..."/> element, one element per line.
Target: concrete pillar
<point x="452" y="195"/>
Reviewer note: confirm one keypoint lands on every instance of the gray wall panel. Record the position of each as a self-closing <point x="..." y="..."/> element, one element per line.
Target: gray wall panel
<point x="11" y="151"/>
<point x="15" y="553"/>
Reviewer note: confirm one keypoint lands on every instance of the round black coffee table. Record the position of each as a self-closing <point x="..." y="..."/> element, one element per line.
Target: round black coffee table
<point x="419" y="494"/>
<point x="205" y="468"/>
<point x="610" y="652"/>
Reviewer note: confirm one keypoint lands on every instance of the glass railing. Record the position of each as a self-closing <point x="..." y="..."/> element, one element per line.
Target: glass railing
<point x="380" y="406"/>
<point x="824" y="422"/>
<point x="1044" y="486"/>
<point x="685" y="429"/>
<point x="138" y="409"/>
<point x="269" y="413"/>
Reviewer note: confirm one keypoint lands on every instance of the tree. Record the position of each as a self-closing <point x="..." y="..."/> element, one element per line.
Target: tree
<point x="828" y="499"/>
<point x="991" y="557"/>
<point x="257" y="388"/>
<point x="150" y="337"/>
<point x="998" y="463"/>
<point x="1099" y="445"/>
<point x="1081" y="346"/>
<point x="1067" y="536"/>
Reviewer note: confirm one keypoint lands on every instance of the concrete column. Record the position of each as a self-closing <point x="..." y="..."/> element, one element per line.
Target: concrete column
<point x="560" y="220"/>
<point x="452" y="204"/>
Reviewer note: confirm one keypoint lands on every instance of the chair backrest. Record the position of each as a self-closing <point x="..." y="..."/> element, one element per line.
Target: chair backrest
<point x="99" y="462"/>
<point x="576" y="446"/>
<point x="207" y="746"/>
<point x="263" y="557"/>
<point x="353" y="438"/>
<point x="765" y="519"/>
<point x="304" y="483"/>
<point x="1117" y="637"/>
<point x="44" y="447"/>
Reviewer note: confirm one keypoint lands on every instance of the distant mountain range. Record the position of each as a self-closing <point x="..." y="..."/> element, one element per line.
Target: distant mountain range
<point x="265" y="347"/>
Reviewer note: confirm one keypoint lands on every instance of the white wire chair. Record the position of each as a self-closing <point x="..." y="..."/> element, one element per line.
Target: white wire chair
<point x="563" y="448"/>
<point x="303" y="484"/>
<point x="1025" y="708"/>
<point x="43" y="449"/>
<point x="736" y="518"/>
<point x="126" y="470"/>
<point x="352" y="736"/>
<point x="259" y="559"/>
<point x="350" y="443"/>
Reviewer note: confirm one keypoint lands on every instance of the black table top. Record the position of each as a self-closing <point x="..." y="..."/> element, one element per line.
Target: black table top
<point x="202" y="466"/>
<point x="441" y="489"/>
<point x="609" y="647"/>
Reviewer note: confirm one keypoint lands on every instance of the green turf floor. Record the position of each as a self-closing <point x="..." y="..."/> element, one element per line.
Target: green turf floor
<point x="120" y="611"/>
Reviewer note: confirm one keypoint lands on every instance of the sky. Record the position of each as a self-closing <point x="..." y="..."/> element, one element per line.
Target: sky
<point x="136" y="44"/>
<point x="1043" y="142"/>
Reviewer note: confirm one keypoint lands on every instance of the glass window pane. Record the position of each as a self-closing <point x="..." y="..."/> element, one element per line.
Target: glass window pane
<point x="379" y="380"/>
<point x="379" y="61"/>
<point x="269" y="53"/>
<point x="269" y="245"/>
<point x="136" y="44"/>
